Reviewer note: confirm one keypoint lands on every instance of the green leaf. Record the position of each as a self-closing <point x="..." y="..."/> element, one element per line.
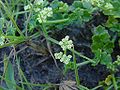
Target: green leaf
<point x="104" y="37"/>
<point x="97" y="57"/>
<point x="102" y="47"/>
<point x="106" y="59"/>
<point x="113" y="24"/>
<point x="9" y="74"/>
<point x="108" y="47"/>
<point x="101" y="40"/>
<point x="87" y="4"/>
<point x="86" y="16"/>
<point x="99" y="29"/>
<point x="77" y="4"/>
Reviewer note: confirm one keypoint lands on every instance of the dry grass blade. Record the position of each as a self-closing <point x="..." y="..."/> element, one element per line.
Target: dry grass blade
<point x="68" y="85"/>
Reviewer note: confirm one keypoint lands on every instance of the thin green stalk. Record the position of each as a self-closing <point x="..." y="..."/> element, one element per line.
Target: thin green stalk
<point x="18" y="66"/>
<point x="76" y="70"/>
<point x="57" y="21"/>
<point x="44" y="29"/>
<point x="48" y="43"/>
<point x="96" y="88"/>
<point x="83" y="63"/>
<point x="81" y="87"/>
<point x="114" y="82"/>
<point x="14" y="42"/>
<point x="66" y="67"/>
<point x="77" y="53"/>
<point x="110" y="87"/>
<point x="29" y="86"/>
<point x="11" y="18"/>
<point x="21" y="12"/>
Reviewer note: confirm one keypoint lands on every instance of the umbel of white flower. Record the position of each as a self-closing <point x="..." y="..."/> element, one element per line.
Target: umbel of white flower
<point x="66" y="43"/>
<point x="63" y="57"/>
<point x="27" y="7"/>
<point x="66" y="59"/>
<point x="38" y="2"/>
<point x="44" y="14"/>
<point x="58" y="55"/>
<point x="117" y="62"/>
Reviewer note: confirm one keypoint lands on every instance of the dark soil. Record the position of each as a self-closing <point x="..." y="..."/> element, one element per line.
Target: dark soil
<point x="42" y="69"/>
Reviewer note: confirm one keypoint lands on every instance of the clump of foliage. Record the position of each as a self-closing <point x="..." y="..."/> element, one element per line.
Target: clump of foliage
<point x="47" y="16"/>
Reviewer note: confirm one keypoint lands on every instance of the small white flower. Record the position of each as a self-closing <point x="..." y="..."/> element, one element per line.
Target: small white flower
<point x="117" y="62"/>
<point x="27" y="7"/>
<point x="108" y="6"/>
<point x="66" y="59"/>
<point x="39" y="2"/>
<point x="66" y="43"/>
<point x="44" y="14"/>
<point x="41" y="18"/>
<point x="58" y="55"/>
<point x="36" y="9"/>
<point x="63" y="57"/>
<point x="48" y="11"/>
<point x="2" y="39"/>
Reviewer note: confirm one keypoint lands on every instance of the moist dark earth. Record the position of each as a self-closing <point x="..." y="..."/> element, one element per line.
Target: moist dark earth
<point x="42" y="69"/>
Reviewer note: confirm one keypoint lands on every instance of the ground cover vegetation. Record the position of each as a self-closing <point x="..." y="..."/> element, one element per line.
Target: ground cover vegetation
<point x="59" y="44"/>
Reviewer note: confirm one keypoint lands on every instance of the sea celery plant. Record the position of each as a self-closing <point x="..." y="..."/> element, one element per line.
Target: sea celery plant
<point x="102" y="47"/>
<point x="58" y="14"/>
<point x="109" y="7"/>
<point x="113" y="24"/>
<point x="48" y="16"/>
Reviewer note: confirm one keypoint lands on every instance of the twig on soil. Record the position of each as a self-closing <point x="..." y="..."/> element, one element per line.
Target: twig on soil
<point x="50" y="51"/>
<point x="28" y="19"/>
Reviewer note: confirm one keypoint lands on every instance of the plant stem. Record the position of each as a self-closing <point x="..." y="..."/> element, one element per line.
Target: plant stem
<point x="11" y="18"/>
<point x="57" y="21"/>
<point x="79" y="54"/>
<point x="96" y="88"/>
<point x="83" y="63"/>
<point x="76" y="70"/>
<point x="114" y="82"/>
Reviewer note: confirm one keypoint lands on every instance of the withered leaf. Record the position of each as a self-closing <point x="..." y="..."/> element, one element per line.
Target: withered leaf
<point x="68" y="85"/>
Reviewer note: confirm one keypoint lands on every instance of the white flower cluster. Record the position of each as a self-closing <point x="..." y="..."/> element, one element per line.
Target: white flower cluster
<point x="66" y="43"/>
<point x="44" y="14"/>
<point x="38" y="2"/>
<point x="97" y="2"/>
<point x="63" y="57"/>
<point x="2" y="39"/>
<point x="27" y="7"/>
<point x="117" y="62"/>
